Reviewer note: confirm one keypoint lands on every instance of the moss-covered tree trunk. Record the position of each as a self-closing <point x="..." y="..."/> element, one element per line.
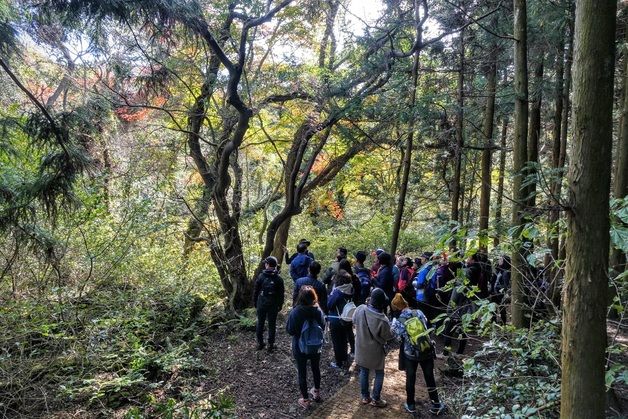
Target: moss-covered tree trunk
<point x="520" y="154"/>
<point x="587" y="244"/>
<point x="455" y="183"/>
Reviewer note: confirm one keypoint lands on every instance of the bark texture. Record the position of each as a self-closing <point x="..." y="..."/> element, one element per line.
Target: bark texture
<point x="519" y="264"/>
<point x="586" y="281"/>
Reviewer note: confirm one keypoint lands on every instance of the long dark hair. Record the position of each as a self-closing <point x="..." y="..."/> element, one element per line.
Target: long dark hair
<point x="307" y="296"/>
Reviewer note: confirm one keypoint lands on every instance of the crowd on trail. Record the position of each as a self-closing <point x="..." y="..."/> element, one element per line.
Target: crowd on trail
<point x="367" y="309"/>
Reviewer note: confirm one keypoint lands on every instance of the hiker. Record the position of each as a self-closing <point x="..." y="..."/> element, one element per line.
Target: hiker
<point x="341" y="253"/>
<point x="385" y="279"/>
<point x="268" y="299"/>
<point x="500" y="286"/>
<point x="312" y="280"/>
<point x="458" y="306"/>
<point x="364" y="275"/>
<point x="290" y="258"/>
<point x="376" y="265"/>
<point x="404" y="285"/>
<point x="340" y="329"/>
<point x="306" y="324"/>
<point x="436" y="296"/>
<point x="300" y="264"/>
<point x="417" y="348"/>
<point x="355" y="281"/>
<point x="421" y="281"/>
<point x="372" y="333"/>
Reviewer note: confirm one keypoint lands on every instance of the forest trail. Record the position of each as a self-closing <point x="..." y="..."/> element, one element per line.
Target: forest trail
<point x="346" y="402"/>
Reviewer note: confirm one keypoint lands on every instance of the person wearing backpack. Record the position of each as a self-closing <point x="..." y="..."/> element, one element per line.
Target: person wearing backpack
<point x="268" y="298"/>
<point x="340" y="330"/>
<point x="300" y="264"/>
<point x="372" y="333"/>
<point x="364" y="276"/>
<point x="312" y="280"/>
<point x="417" y="348"/>
<point x="341" y="253"/>
<point x="306" y="324"/>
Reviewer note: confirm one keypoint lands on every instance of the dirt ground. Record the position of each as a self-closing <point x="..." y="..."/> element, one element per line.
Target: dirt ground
<point x="265" y="385"/>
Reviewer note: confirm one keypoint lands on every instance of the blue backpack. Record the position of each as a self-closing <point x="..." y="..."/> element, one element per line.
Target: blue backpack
<point x="311" y="339"/>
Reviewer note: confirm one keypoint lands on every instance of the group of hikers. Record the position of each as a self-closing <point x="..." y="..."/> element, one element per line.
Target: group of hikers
<point x="365" y="309"/>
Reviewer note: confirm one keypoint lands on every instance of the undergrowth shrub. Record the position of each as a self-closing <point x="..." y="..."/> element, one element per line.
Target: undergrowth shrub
<point x="115" y="345"/>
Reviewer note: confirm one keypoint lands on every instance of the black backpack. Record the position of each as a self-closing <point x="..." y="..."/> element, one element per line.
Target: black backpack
<point x="269" y="286"/>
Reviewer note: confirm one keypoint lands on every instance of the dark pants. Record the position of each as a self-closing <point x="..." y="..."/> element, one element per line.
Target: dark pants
<point x="453" y="330"/>
<point x="350" y="336"/>
<point x="501" y="306"/>
<point x="339" y="340"/>
<point x="262" y="313"/>
<point x="315" y="361"/>
<point x="428" y="374"/>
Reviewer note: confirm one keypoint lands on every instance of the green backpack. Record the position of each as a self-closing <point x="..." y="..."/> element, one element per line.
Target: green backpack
<point x="418" y="346"/>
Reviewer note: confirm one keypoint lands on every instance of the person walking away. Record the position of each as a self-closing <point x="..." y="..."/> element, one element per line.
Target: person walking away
<point x="300" y="264"/>
<point x="500" y="287"/>
<point x="417" y="348"/>
<point x="372" y="333"/>
<point x="268" y="298"/>
<point x="341" y="253"/>
<point x="385" y="280"/>
<point x="290" y="258"/>
<point x="364" y="275"/>
<point x="339" y="329"/>
<point x="307" y="318"/>
<point x="312" y="280"/>
<point x="355" y="281"/>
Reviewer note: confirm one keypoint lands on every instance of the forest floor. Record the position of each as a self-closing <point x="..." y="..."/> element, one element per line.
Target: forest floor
<point x="265" y="384"/>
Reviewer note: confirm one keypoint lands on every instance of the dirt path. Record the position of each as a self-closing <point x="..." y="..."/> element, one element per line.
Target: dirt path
<point x="345" y="403"/>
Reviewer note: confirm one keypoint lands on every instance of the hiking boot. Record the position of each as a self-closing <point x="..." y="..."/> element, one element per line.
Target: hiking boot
<point x="379" y="403"/>
<point x="366" y="400"/>
<point x="410" y="408"/>
<point x="304" y="403"/>
<point x="316" y="395"/>
<point x="437" y="408"/>
<point x="261" y="346"/>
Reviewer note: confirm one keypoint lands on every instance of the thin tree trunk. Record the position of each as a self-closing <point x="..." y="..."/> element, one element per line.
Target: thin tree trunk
<point x="455" y="184"/>
<point x="500" y="184"/>
<point x="489" y="115"/>
<point x="534" y="130"/>
<point x="586" y="281"/>
<point x="620" y="187"/>
<point x="519" y="264"/>
<point x="551" y="257"/>
<point x="407" y="157"/>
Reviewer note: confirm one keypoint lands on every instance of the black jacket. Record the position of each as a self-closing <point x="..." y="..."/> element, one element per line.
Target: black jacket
<point x="321" y="291"/>
<point x="269" y="290"/>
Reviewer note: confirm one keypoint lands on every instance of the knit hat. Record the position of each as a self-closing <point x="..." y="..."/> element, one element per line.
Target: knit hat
<point x="379" y="251"/>
<point x="399" y="303"/>
<point x="378" y="299"/>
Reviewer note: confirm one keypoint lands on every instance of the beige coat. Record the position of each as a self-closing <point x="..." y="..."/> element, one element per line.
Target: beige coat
<point x="369" y="346"/>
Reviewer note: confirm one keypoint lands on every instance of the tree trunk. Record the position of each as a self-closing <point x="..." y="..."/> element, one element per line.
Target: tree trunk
<point x="519" y="264"/>
<point x="620" y="187"/>
<point x="489" y="114"/>
<point x="407" y="157"/>
<point x="500" y="184"/>
<point x="534" y="131"/>
<point x="455" y="184"/>
<point x="586" y="281"/>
